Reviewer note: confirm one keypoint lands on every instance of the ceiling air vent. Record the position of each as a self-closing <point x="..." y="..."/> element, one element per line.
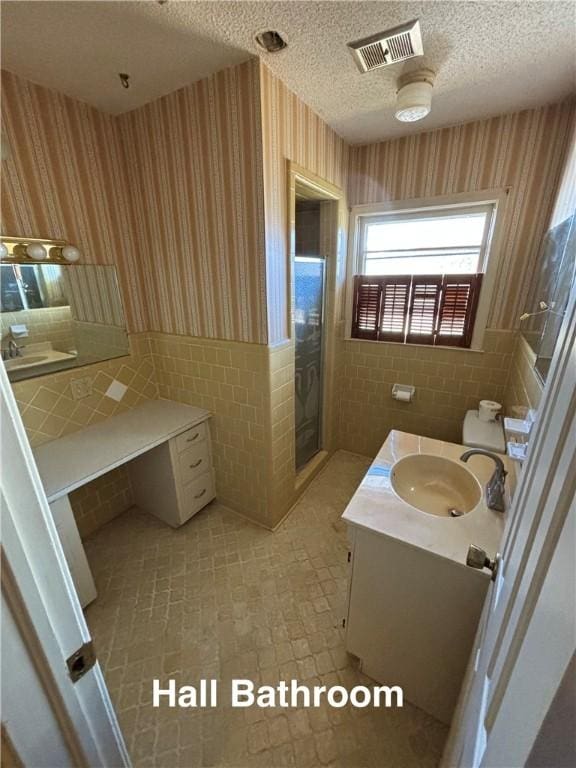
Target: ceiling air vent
<point x="388" y="47"/>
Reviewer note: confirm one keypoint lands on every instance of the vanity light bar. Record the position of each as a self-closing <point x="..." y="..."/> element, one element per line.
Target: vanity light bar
<point x="34" y="250"/>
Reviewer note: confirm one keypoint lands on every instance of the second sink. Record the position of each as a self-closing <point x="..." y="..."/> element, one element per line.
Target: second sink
<point x="435" y="485"/>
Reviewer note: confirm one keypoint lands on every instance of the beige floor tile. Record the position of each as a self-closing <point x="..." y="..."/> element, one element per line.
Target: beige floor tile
<point x="222" y="598"/>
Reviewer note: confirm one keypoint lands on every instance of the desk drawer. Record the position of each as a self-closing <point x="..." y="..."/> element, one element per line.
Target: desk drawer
<point x="197" y="494"/>
<point x="191" y="437"/>
<point x="194" y="462"/>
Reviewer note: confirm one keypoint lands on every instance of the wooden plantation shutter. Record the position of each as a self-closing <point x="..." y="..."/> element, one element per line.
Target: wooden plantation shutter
<point x="416" y="309"/>
<point x="395" y="295"/>
<point x="458" y="309"/>
<point x="423" y="310"/>
<point x="380" y="305"/>
<point x="366" y="313"/>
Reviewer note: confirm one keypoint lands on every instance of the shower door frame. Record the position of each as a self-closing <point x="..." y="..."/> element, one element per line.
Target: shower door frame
<point x="334" y="255"/>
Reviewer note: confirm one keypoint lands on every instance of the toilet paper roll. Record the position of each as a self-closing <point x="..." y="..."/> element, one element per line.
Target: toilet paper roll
<point x="402" y="395"/>
<point x="488" y="410"/>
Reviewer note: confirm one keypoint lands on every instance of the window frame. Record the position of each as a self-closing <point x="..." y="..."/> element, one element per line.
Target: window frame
<point x="490" y="253"/>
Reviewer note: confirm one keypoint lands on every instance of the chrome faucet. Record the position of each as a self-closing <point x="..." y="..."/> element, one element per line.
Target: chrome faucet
<point x="494" y="486"/>
<point x="12" y="351"/>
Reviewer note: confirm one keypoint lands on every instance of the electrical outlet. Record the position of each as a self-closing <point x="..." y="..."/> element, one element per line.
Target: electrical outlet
<point x="81" y="387"/>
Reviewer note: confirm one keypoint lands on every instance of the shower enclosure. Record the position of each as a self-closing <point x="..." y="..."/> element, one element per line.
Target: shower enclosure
<point x="309" y="278"/>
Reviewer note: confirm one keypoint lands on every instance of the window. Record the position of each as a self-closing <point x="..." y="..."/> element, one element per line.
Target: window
<point x="419" y="274"/>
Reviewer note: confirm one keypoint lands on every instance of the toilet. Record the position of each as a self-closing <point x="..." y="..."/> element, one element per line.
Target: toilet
<point x="488" y="435"/>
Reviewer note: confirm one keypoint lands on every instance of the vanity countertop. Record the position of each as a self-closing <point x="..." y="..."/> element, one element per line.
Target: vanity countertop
<point x="376" y="507"/>
<point x="69" y="462"/>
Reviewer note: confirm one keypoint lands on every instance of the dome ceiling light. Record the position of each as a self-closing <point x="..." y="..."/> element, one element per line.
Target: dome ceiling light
<point x="414" y="95"/>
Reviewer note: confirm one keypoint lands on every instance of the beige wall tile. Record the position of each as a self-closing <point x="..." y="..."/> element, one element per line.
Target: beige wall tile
<point x="524" y="388"/>
<point x="228" y="382"/>
<point x="101" y="500"/>
<point x="448" y="383"/>
<point x="49" y="410"/>
<point x="53" y="324"/>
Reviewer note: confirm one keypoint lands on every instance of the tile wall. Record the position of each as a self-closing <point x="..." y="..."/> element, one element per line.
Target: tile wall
<point x="250" y="390"/>
<point x="524" y="388"/>
<point x="448" y="382"/>
<point x="230" y="380"/>
<point x="50" y="324"/>
<point x="282" y="438"/>
<point x="49" y="410"/>
<point x="100" y="501"/>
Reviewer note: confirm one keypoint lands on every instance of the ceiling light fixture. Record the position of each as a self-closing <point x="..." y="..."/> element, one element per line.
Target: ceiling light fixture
<point x="124" y="79"/>
<point x="414" y="95"/>
<point x="271" y="41"/>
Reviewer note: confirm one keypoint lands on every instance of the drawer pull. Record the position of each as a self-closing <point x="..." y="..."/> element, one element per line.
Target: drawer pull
<point x="194" y="437"/>
<point x="199" y="495"/>
<point x="196" y="464"/>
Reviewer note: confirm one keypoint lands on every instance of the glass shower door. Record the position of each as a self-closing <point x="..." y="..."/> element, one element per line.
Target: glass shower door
<point x="309" y="305"/>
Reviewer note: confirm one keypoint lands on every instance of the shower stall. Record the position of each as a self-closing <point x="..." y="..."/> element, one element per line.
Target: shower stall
<point x="309" y="286"/>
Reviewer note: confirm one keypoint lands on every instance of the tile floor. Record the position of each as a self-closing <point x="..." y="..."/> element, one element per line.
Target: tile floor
<point x="222" y="598"/>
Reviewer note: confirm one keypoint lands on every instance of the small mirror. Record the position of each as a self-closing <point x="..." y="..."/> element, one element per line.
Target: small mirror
<point x="58" y="316"/>
<point x="550" y="291"/>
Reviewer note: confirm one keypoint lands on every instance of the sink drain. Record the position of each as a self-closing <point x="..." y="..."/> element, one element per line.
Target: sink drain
<point x="455" y="512"/>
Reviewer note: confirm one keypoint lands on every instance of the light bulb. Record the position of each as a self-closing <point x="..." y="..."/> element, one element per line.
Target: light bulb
<point x="37" y="252"/>
<point x="71" y="253"/>
<point x="3" y="251"/>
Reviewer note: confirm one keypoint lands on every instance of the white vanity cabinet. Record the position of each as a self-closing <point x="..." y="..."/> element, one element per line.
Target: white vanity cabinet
<point x="413" y="604"/>
<point x="412" y="617"/>
<point x="175" y="480"/>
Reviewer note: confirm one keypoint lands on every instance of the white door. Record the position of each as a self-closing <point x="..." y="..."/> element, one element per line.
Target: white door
<point x="47" y="718"/>
<point x="527" y="633"/>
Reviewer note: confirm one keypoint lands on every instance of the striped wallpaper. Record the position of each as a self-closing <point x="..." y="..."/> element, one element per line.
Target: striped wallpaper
<point x="64" y="178"/>
<point x="523" y="151"/>
<point x="290" y="130"/>
<point x="195" y="178"/>
<point x="187" y="195"/>
<point x="92" y="291"/>
<point x="171" y="193"/>
<point x="565" y="203"/>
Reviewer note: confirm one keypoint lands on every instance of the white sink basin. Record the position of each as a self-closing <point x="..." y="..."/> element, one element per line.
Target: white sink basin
<point x="37" y="359"/>
<point x="24" y="362"/>
<point x="435" y="485"/>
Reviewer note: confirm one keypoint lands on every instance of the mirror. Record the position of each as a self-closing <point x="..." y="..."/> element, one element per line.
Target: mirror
<point x="548" y="297"/>
<point x="58" y="316"/>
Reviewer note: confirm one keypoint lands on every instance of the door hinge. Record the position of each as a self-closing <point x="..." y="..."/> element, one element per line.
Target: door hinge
<point x="343" y="623"/>
<point x="81" y="661"/>
<point x="349" y="555"/>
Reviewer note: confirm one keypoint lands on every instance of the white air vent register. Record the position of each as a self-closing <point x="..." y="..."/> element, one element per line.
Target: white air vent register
<point x="390" y="47"/>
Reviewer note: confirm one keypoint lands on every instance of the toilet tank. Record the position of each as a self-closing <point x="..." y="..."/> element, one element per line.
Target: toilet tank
<point x="488" y="435"/>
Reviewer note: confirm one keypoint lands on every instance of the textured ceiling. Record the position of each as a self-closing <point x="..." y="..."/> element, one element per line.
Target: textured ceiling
<point x="490" y="57"/>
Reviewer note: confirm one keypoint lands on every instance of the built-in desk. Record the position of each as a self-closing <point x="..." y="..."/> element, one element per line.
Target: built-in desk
<point x="166" y="446"/>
